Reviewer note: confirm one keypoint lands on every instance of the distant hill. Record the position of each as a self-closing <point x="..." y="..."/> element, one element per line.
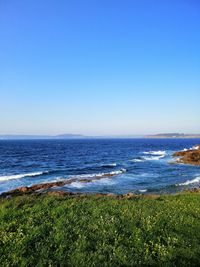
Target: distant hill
<point x="79" y="136"/>
<point x="173" y="135"/>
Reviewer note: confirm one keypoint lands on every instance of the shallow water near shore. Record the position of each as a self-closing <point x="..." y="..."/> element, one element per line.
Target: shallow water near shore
<point x="117" y="166"/>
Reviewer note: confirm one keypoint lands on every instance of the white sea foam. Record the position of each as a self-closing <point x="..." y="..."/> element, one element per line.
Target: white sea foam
<point x="193" y="181"/>
<point x="191" y="148"/>
<point x="19" y="176"/>
<point x="158" y="153"/>
<point x="98" y="175"/>
<point x="136" y="160"/>
<point x="103" y="181"/>
<point x="154" y="157"/>
<point x="77" y="185"/>
<point x="109" y="165"/>
<point x="151" y="155"/>
<point x="142" y="190"/>
<point x="118" y="172"/>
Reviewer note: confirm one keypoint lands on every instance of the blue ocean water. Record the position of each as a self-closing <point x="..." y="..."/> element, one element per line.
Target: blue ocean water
<point x="136" y="165"/>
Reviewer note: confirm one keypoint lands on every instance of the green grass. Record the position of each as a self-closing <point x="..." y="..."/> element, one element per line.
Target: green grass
<point x="100" y="231"/>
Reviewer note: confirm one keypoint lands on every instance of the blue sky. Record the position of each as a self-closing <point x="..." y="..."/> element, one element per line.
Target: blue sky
<point x="104" y="67"/>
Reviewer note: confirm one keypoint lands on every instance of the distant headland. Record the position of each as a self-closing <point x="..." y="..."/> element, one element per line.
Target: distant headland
<point x="80" y="136"/>
<point x="173" y="135"/>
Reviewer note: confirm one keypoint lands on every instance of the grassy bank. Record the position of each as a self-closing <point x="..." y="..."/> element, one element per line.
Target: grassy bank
<point x="100" y="231"/>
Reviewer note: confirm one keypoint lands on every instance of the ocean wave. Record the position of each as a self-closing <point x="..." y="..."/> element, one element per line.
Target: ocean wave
<point x="153" y="157"/>
<point x="77" y="185"/>
<point x="191" y="148"/>
<point x="103" y="181"/>
<point x="156" y="153"/>
<point x="193" y="181"/>
<point x="109" y="165"/>
<point x="195" y="147"/>
<point x="136" y="160"/>
<point x="98" y="175"/>
<point x="20" y="176"/>
<point x="142" y="190"/>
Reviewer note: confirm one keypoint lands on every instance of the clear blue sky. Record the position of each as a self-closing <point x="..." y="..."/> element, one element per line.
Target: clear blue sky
<point x="99" y="67"/>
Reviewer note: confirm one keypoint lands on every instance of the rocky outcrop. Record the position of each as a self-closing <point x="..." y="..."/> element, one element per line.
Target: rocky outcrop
<point x="41" y="188"/>
<point x="191" y="156"/>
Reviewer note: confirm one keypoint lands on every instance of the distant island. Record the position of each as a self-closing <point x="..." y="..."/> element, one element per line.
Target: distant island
<point x="80" y="136"/>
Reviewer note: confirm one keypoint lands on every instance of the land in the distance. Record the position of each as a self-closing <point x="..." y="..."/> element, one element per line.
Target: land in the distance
<point x="80" y="136"/>
<point x="173" y="135"/>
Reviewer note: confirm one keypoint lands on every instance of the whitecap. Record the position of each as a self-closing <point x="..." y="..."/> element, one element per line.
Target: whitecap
<point x="153" y="157"/>
<point x="19" y="176"/>
<point x="104" y="181"/>
<point x="142" y="190"/>
<point x="191" y="148"/>
<point x="193" y="181"/>
<point x="77" y="185"/>
<point x="136" y="160"/>
<point x="98" y="175"/>
<point x="158" y="153"/>
<point x="109" y="165"/>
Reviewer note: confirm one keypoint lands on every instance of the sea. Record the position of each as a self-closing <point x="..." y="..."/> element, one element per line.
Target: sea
<point x="119" y="166"/>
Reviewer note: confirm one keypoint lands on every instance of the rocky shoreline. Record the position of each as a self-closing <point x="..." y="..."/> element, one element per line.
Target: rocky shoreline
<point x="191" y="156"/>
<point x="30" y="191"/>
<point x="43" y="187"/>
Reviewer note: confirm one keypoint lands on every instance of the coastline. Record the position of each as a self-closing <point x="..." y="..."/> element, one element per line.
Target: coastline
<point x="51" y="228"/>
<point x="189" y="156"/>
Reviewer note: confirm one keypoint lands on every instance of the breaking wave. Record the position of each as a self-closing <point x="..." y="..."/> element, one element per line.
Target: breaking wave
<point x="191" y="148"/>
<point x="156" y="153"/>
<point x="19" y="176"/>
<point x="103" y="181"/>
<point x="109" y="165"/>
<point x="136" y="160"/>
<point x="98" y="175"/>
<point x="194" y="181"/>
<point x="153" y="157"/>
<point x="77" y="185"/>
<point x="142" y="190"/>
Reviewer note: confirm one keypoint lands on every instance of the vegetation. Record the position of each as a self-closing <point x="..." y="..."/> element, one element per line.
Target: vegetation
<point x="100" y="231"/>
